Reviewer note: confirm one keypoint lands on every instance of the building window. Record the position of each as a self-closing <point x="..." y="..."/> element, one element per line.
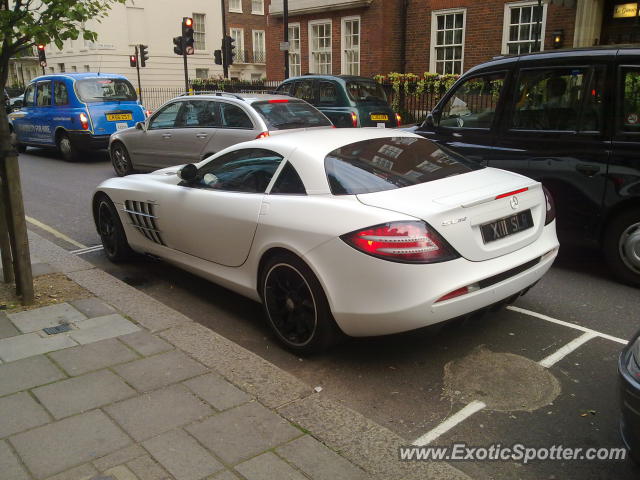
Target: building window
<point x="235" y="6"/>
<point x="202" y="73"/>
<point x="256" y="77"/>
<point x="294" y="50"/>
<point x="238" y="35"/>
<point x="61" y="68"/>
<point x="257" y="7"/>
<point x="523" y="30"/>
<point x="351" y="46"/>
<point x="87" y="68"/>
<point x="259" y="55"/>
<point x="198" y="32"/>
<point x="320" y="47"/>
<point x="447" y="41"/>
<point x="74" y="68"/>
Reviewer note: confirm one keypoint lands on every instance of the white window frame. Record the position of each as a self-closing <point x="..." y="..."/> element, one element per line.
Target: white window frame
<point x="204" y="31"/>
<point x="264" y="46"/>
<point x="343" y="42"/>
<point x="312" y="62"/>
<point x="506" y="22"/>
<point x="434" y="35"/>
<point x="239" y="50"/>
<point x="235" y="10"/>
<point x="295" y="51"/>
<point x="257" y="12"/>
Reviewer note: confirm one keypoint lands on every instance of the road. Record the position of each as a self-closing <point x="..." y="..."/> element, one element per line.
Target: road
<point x="412" y="382"/>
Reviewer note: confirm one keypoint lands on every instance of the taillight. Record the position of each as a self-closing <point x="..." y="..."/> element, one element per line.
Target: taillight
<point x="550" y="206"/>
<point x="84" y="121"/>
<point x="514" y="192"/>
<point x="354" y="119"/>
<point x="398" y="119"/>
<point x="263" y="135"/>
<point x="459" y="292"/>
<point x="407" y="242"/>
<point x="147" y="113"/>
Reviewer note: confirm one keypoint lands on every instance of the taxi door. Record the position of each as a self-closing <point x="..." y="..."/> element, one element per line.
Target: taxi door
<point x="22" y="119"/>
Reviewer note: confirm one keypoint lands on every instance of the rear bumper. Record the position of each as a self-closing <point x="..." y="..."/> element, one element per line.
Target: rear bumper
<point x="88" y="141"/>
<point x="630" y="407"/>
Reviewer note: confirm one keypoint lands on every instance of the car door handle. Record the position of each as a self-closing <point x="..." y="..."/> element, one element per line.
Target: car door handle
<point x="588" y="170"/>
<point x="202" y="135"/>
<point x="166" y="135"/>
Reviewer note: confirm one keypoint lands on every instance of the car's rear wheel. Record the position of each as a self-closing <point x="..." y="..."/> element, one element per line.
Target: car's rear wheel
<point x="622" y="246"/>
<point x="121" y="160"/>
<point x="296" y="305"/>
<point x="111" y="232"/>
<point x="67" y="149"/>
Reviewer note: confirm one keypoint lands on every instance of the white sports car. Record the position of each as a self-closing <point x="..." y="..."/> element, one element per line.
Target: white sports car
<point x="345" y="231"/>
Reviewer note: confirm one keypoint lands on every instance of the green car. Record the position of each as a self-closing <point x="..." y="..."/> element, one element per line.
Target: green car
<point x="348" y="101"/>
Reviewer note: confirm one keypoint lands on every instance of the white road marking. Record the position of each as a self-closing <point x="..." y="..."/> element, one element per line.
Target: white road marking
<point x="54" y="232"/>
<point x="558" y="355"/>
<point x="449" y="423"/>
<point x="82" y="251"/>
<point x="567" y="324"/>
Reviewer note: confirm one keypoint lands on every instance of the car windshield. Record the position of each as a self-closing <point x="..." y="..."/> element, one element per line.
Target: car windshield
<point x="388" y="163"/>
<point x="286" y="114"/>
<point x="362" y="91"/>
<point x="105" y="90"/>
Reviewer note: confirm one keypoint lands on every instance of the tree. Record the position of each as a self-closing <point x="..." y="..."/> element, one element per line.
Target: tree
<point x="23" y="24"/>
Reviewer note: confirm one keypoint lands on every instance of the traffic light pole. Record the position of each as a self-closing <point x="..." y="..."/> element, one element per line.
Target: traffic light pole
<point x="186" y="71"/>
<point x="138" y="71"/>
<point x="225" y="66"/>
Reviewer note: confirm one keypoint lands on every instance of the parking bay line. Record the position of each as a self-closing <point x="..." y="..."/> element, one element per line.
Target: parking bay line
<point x="449" y="423"/>
<point x="54" y="232"/>
<point x="82" y="251"/>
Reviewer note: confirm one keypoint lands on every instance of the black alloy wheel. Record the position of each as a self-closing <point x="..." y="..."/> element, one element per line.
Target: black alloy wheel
<point x="111" y="232"/>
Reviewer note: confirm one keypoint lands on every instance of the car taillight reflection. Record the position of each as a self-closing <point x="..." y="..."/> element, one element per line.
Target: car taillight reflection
<point x="263" y="135"/>
<point x="398" y="119"/>
<point x="354" y="119"/>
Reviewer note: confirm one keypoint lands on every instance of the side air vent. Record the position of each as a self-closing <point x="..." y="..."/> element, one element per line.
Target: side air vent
<point x="143" y="219"/>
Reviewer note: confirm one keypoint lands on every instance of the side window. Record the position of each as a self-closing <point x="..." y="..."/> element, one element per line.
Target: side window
<point x="304" y="90"/>
<point x="233" y="116"/>
<point x="60" y="94"/>
<point x="247" y="170"/>
<point x="592" y="118"/>
<point x="285" y="88"/>
<point x="198" y="113"/>
<point x="473" y="104"/>
<point x="549" y="99"/>
<point x="630" y="100"/>
<point x="288" y="182"/>
<point x="166" y="117"/>
<point x="43" y="94"/>
<point x="29" y="96"/>
<point x="328" y="94"/>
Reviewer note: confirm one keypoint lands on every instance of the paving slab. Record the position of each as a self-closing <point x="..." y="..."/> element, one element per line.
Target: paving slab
<point x="317" y="461"/>
<point x="94" y="356"/>
<point x="146" y="343"/>
<point x="10" y="465"/>
<point x="58" y="446"/>
<point x="93" y="307"/>
<point x="7" y="329"/>
<point x="226" y="475"/>
<point x="121" y="472"/>
<point x="267" y="467"/>
<point x="217" y="391"/>
<point x="118" y="458"/>
<point x="162" y="410"/>
<point x="101" y="328"/>
<point x="182" y="456"/>
<point x="242" y="432"/>
<point x="20" y="412"/>
<point x="85" y="471"/>
<point x="27" y="373"/>
<point x="40" y="268"/>
<point x="83" y="393"/>
<point x="50" y="316"/>
<point x="31" y="344"/>
<point x="160" y="370"/>
<point x="145" y="468"/>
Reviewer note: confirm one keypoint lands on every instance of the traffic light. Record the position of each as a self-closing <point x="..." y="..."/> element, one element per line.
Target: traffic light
<point x="177" y="49"/>
<point x="144" y="54"/>
<point x="228" y="48"/>
<point x="217" y="56"/>
<point x="133" y="61"/>
<point x="42" y="56"/>
<point x="187" y="35"/>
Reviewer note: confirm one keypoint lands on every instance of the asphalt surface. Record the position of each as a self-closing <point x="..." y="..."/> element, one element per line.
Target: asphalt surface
<point x="399" y="381"/>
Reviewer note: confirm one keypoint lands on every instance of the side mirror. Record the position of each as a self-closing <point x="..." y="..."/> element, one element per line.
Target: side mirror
<point x="140" y="126"/>
<point x="188" y="173"/>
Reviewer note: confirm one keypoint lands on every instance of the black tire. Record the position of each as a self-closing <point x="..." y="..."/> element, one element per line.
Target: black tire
<point x="121" y="160"/>
<point x="67" y="149"/>
<point x="622" y="246"/>
<point x="296" y="306"/>
<point x="114" y="240"/>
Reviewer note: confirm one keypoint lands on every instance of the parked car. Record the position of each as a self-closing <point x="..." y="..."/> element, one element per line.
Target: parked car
<point x="75" y="112"/>
<point x="365" y="232"/>
<point x="348" y="101"/>
<point x="629" y="371"/>
<point x="7" y="101"/>
<point x="570" y="119"/>
<point x="190" y="128"/>
<point x="15" y="103"/>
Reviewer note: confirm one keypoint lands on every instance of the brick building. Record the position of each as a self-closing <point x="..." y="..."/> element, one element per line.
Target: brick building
<point x="247" y="23"/>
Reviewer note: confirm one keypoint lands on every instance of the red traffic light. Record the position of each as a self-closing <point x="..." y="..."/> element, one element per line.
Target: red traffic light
<point x="188" y="21"/>
<point x="133" y="61"/>
<point x="41" y="47"/>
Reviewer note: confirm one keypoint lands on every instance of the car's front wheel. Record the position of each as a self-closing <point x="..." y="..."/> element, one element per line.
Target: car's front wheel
<point x="622" y="246"/>
<point x="296" y="306"/>
<point x="68" y="150"/>
<point x="121" y="160"/>
<point x="114" y="240"/>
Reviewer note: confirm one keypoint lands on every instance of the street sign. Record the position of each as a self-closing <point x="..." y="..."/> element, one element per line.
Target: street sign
<point x="284" y="46"/>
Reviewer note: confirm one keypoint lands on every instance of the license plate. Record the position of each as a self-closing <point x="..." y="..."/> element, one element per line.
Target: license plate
<point x="114" y="117"/>
<point x="383" y="118"/>
<point x="506" y="226"/>
<point x="122" y="126"/>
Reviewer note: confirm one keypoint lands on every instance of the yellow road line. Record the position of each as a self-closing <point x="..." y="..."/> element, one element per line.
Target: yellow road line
<point x="54" y="232"/>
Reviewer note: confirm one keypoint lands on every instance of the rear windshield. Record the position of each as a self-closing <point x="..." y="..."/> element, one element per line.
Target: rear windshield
<point x="363" y="91"/>
<point x="285" y="114"/>
<point x="388" y="163"/>
<point x="105" y="90"/>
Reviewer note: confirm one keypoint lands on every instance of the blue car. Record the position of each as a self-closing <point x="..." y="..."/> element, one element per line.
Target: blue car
<point x="75" y="112"/>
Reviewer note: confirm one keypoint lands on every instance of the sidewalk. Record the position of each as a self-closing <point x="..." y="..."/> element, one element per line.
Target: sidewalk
<point x="133" y="390"/>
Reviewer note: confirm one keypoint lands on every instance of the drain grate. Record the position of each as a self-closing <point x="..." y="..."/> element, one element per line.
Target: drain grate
<point x="56" y="329"/>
